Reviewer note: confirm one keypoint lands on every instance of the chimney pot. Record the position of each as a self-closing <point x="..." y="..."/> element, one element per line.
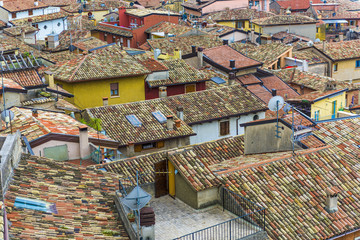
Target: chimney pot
<point x="232" y="63"/>
<point x="178" y="123"/>
<point x="225" y="42"/>
<point x="170" y="122"/>
<point x="35" y="113"/>
<point x="231" y="78"/>
<point x="105" y="101"/>
<point x="273" y="92"/>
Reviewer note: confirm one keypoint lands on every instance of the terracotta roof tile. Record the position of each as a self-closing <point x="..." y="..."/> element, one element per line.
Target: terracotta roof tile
<point x="47" y="122"/>
<point x="26" y="78"/>
<point x="9" y="83"/>
<point x="17" y="30"/>
<point x="221" y="55"/>
<point x="67" y="37"/>
<point x="284" y="20"/>
<point x="147" y="12"/>
<point x="21" y="5"/>
<point x="89" y="43"/>
<point x="238" y="14"/>
<point x="313" y="96"/>
<point x="40" y="18"/>
<point x="341" y="50"/>
<point x="310" y="56"/>
<point x="113" y="30"/>
<point x="98" y="5"/>
<point x="169" y="28"/>
<point x="153" y="65"/>
<point x="297" y="5"/>
<point x="83" y="200"/>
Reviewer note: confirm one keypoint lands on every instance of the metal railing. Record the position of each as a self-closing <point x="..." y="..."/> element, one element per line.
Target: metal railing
<point x="250" y="220"/>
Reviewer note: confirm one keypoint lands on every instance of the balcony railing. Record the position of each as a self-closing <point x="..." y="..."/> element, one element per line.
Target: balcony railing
<point x="250" y="220"/>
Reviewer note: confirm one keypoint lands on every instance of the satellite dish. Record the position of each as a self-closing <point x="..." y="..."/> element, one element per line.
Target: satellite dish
<point x="276" y="103"/>
<point x="7" y="116"/>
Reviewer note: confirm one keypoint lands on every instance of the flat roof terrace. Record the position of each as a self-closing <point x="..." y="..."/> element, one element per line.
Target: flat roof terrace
<point x="175" y="218"/>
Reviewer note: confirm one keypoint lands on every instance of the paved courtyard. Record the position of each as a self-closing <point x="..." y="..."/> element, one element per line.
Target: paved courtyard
<point x="174" y="219"/>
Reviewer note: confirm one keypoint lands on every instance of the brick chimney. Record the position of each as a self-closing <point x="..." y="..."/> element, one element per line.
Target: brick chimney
<point x="84" y="141"/>
<point x="130" y="149"/>
<point x="170" y="122"/>
<point x="331" y="199"/>
<point x="123" y="18"/>
<point x="178" y="123"/>
<point x="162" y="92"/>
<point x="105" y="101"/>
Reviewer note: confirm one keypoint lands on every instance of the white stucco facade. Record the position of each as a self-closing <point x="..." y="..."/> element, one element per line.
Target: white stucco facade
<point x="49" y="27"/>
<point x="72" y="147"/>
<point x="210" y="131"/>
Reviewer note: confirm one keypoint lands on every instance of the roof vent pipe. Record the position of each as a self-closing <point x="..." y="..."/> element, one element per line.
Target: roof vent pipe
<point x="273" y="92"/>
<point x="193" y="49"/>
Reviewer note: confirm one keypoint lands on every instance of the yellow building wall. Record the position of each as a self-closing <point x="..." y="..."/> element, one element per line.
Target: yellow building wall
<point x="321" y="32"/>
<point x="232" y="24"/>
<point x="325" y="106"/>
<point x="346" y="71"/>
<point x="257" y="28"/>
<point x="91" y="93"/>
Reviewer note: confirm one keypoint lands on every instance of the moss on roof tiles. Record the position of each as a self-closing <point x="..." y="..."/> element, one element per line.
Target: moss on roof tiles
<point x="283" y="20"/>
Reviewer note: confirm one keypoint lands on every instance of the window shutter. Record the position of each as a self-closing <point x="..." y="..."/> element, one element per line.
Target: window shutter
<point x="113" y="86"/>
<point x="138" y="148"/>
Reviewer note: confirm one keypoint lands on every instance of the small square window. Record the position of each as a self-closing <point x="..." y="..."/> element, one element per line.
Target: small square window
<point x="190" y="88"/>
<point x="224" y="128"/>
<point x="357" y="64"/>
<point x="13" y="15"/>
<point x="114" y="89"/>
<point x="335" y="67"/>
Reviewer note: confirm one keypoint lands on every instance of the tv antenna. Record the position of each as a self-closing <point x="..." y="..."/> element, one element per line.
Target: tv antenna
<point x="275" y="104"/>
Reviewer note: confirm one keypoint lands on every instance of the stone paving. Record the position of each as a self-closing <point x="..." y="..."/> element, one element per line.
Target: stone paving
<point x="174" y="219"/>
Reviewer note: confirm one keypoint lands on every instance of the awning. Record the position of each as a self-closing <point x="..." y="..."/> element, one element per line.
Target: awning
<point x="335" y="21"/>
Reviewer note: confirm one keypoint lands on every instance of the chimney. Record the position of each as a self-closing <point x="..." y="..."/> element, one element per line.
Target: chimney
<point x="170" y="122"/>
<point x="302" y="89"/>
<point x="252" y="36"/>
<point x="162" y="92"/>
<point x="177" y="53"/>
<point x="49" y="79"/>
<point x="331" y="199"/>
<point x="225" y="42"/>
<point x="157" y="52"/>
<point x="232" y="64"/>
<point x="36" y="3"/>
<point x="35" y="113"/>
<point x="273" y="92"/>
<point x="193" y="49"/>
<point x="200" y="55"/>
<point x="130" y="149"/>
<point x="1" y="3"/>
<point x="177" y="123"/>
<point x="84" y="141"/>
<point x="23" y="34"/>
<point x="231" y="78"/>
<point x="105" y="101"/>
<point x="324" y="46"/>
<point x="180" y="112"/>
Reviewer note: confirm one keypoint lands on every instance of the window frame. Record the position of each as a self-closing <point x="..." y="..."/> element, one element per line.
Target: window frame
<point x="190" y="85"/>
<point x="226" y="124"/>
<point x="335" y="67"/>
<point x="31" y="12"/>
<point x="357" y="64"/>
<point x="13" y="15"/>
<point x="114" y="94"/>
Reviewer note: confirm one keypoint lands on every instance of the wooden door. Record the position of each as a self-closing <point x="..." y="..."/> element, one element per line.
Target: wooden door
<point x="161" y="179"/>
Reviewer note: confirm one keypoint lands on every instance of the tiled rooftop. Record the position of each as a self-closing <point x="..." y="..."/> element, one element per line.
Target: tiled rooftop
<point x="9" y="83"/>
<point x="117" y="126"/>
<point x="67" y="37"/>
<point x="313" y="96"/>
<point x="288" y="38"/>
<point x="282" y="89"/>
<point x="195" y="5"/>
<point x="17" y="30"/>
<point x="169" y="28"/>
<point x="153" y="65"/>
<point x="214" y="104"/>
<point x="310" y="56"/>
<point x="75" y="20"/>
<point x="47" y="122"/>
<point x="265" y="53"/>
<point x="113" y="30"/>
<point x="341" y="50"/>
<point x="168" y="45"/>
<point x="26" y="78"/>
<point x="283" y="20"/>
<point x="58" y="3"/>
<point x="218" y="30"/>
<point x="238" y="14"/>
<point x="102" y="5"/>
<point x="110" y="62"/>
<point x="297" y="5"/>
<point x="83" y="200"/>
<point x="146" y="12"/>
<point x="89" y="43"/>
<point x="40" y="18"/>
<point x="222" y="55"/>
<point x="21" y="5"/>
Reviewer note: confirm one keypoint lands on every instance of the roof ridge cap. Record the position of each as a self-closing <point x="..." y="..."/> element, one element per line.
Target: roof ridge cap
<point x="77" y="68"/>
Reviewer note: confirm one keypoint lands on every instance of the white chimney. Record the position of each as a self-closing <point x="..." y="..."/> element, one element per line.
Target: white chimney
<point x="331" y="199"/>
<point x="157" y="53"/>
<point x="180" y="112"/>
<point x="162" y="92"/>
<point x="84" y="142"/>
<point x="105" y="101"/>
<point x="1" y="3"/>
<point x="36" y="3"/>
<point x="170" y="122"/>
<point x="200" y="55"/>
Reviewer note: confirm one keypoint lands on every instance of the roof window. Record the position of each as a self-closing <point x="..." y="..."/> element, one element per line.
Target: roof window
<point x="159" y="116"/>
<point x="34" y="204"/>
<point x="133" y="120"/>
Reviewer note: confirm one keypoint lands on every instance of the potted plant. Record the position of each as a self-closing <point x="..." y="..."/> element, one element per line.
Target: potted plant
<point x="131" y="217"/>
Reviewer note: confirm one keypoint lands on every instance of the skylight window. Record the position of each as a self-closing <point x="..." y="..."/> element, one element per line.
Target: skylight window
<point x="134" y="120"/>
<point x="34" y="204"/>
<point x="159" y="116"/>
